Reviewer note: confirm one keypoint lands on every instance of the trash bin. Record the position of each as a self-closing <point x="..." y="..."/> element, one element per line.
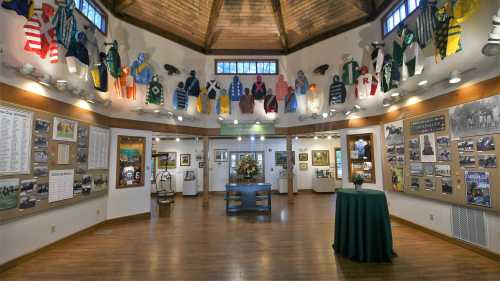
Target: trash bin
<point x="163" y="208"/>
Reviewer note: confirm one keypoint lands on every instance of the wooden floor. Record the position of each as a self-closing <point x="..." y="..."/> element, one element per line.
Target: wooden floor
<point x="203" y="244"/>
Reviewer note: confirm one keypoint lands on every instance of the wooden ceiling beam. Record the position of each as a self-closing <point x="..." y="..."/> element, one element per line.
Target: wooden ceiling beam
<point x="120" y="5"/>
<point x="280" y="23"/>
<point x="366" y="6"/>
<point x="212" y="22"/>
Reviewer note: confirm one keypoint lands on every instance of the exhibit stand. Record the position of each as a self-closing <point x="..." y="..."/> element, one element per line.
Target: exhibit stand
<point x="283" y="183"/>
<point x="323" y="181"/>
<point x="189" y="184"/>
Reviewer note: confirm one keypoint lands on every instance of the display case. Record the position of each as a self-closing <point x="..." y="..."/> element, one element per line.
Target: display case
<point x="360" y="157"/>
<point x="323" y="181"/>
<point x="189" y="186"/>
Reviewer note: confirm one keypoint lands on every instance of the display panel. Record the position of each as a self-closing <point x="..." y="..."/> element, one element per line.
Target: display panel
<point x="131" y="161"/>
<point x="360" y="157"/>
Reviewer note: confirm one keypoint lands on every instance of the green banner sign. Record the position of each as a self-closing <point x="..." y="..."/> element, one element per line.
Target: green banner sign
<point x="246" y="129"/>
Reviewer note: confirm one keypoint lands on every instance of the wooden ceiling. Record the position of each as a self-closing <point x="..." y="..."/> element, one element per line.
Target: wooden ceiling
<point x="246" y="26"/>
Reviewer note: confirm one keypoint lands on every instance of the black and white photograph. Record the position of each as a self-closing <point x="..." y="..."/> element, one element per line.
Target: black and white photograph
<point x="80" y="169"/>
<point x="40" y="171"/>
<point x="400" y="149"/>
<point x="87" y="184"/>
<point x="83" y="135"/>
<point x="416" y="169"/>
<point x="428" y="169"/>
<point x="467" y="160"/>
<point x="465" y="145"/>
<point x="488" y="161"/>
<point x="77" y="187"/>
<point x="9" y="193"/>
<point x="26" y="200"/>
<point x="414" y="155"/>
<point x="485" y="144"/>
<point x="391" y="149"/>
<point x="443" y="153"/>
<point x="40" y="141"/>
<point x="27" y="185"/>
<point x="475" y="118"/>
<point x="446" y="185"/>
<point x="415" y="184"/>
<point x="42" y="191"/>
<point x="41" y="156"/>
<point x="392" y="159"/>
<point x="429" y="184"/>
<point x="100" y="182"/>
<point x="42" y="126"/>
<point x="443" y="170"/>
<point x="428" y="148"/>
<point x="400" y="160"/>
<point x="394" y="133"/>
<point x="443" y="141"/>
<point x="81" y="155"/>
<point x="413" y="144"/>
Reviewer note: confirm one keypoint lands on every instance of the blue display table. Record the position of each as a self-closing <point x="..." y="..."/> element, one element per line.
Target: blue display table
<point x="248" y="197"/>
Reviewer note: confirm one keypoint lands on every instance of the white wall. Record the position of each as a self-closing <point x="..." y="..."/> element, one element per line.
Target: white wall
<point x="376" y="131"/>
<point x="29" y="234"/>
<point x="128" y="201"/>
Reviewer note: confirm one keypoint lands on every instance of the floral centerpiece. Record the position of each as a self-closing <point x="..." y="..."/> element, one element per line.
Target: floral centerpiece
<point x="247" y="167"/>
<point x="358" y="180"/>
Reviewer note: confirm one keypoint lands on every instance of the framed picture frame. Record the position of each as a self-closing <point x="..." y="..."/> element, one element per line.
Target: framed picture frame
<point x="201" y="164"/>
<point x="167" y="160"/>
<point x="360" y="157"/>
<point x="65" y="129"/>
<point x="281" y="158"/>
<point x="185" y="160"/>
<point x="130" y="166"/>
<point x="303" y="156"/>
<point x="320" y="157"/>
<point x="221" y="155"/>
<point x="303" y="166"/>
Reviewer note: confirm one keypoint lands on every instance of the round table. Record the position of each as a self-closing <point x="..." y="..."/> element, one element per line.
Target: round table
<point x="362" y="226"/>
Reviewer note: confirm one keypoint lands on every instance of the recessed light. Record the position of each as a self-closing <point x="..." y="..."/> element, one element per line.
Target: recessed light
<point x="180" y="118"/>
<point x="252" y="138"/>
<point x="455" y="77"/>
<point x="357" y="106"/>
<point x="347" y="113"/>
<point x="157" y="139"/>
<point x="423" y="82"/>
<point x="333" y="110"/>
<point x="156" y="111"/>
<point x="325" y="115"/>
<point x="235" y="122"/>
<point x="257" y="122"/>
<point x="296" y="137"/>
<point x="315" y="137"/>
<point x="220" y="118"/>
<point x="395" y="94"/>
<point x="329" y="137"/>
<point x="177" y="139"/>
<point x="262" y="138"/>
<point x="239" y="138"/>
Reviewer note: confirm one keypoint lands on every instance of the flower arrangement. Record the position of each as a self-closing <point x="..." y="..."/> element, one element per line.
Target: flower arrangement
<point x="358" y="181"/>
<point x="247" y="167"/>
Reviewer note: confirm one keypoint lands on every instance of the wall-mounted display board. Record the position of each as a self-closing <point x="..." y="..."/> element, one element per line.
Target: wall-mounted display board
<point x="130" y="167"/>
<point x="44" y="162"/>
<point x="360" y="157"/>
<point x="454" y="161"/>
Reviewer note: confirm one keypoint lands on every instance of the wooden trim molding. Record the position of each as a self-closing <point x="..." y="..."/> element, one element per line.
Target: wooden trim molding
<point x="44" y="249"/>
<point x="480" y="90"/>
<point x="479" y="250"/>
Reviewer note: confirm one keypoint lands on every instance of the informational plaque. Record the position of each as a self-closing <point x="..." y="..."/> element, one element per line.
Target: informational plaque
<point x="428" y="125"/>
<point x="61" y="184"/>
<point x="98" y="148"/>
<point x="15" y="147"/>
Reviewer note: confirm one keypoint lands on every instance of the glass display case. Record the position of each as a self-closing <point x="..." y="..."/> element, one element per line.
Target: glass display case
<point x="360" y="157"/>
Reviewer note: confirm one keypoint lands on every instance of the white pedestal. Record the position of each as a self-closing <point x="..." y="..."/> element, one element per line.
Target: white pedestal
<point x="323" y="184"/>
<point x="283" y="185"/>
<point x="189" y="188"/>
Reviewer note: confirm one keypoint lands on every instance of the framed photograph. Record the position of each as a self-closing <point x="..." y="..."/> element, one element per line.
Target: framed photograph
<point x="393" y="133"/>
<point x="446" y="185"/>
<point x="40" y="141"/>
<point x="467" y="161"/>
<point x="416" y="169"/>
<point x="9" y="193"/>
<point x="185" y="160"/>
<point x="201" y="164"/>
<point x="475" y="118"/>
<point x="415" y="184"/>
<point x="167" y="160"/>
<point x="41" y="156"/>
<point x="487" y="161"/>
<point x="220" y="155"/>
<point x="443" y="141"/>
<point x="81" y="155"/>
<point x="65" y="129"/>
<point x="485" y="144"/>
<point x="42" y="191"/>
<point x="443" y="153"/>
<point x="466" y="145"/>
<point x="320" y="157"/>
<point x="428" y="148"/>
<point x="443" y="170"/>
<point x="477" y="186"/>
<point x="26" y="200"/>
<point x="429" y="184"/>
<point x="100" y="182"/>
<point x="83" y="136"/>
<point x="42" y="126"/>
<point x="428" y="169"/>
<point x="87" y="182"/>
<point x="281" y="158"/>
<point x="41" y="171"/>
<point x="130" y="168"/>
<point x="303" y="166"/>
<point x="303" y="156"/>
<point x="397" y="179"/>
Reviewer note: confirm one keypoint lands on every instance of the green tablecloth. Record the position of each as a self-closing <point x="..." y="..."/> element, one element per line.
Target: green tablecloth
<point x="362" y="226"/>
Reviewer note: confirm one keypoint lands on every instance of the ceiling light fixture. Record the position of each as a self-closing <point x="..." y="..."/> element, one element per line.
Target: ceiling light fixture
<point x="325" y="115"/>
<point x="177" y="139"/>
<point x="156" y="111"/>
<point x="157" y="139"/>
<point x="239" y="138"/>
<point x="220" y="118"/>
<point x="423" y="82"/>
<point x="455" y="77"/>
<point x="262" y="138"/>
<point x="315" y="137"/>
<point x="357" y="106"/>
<point x="296" y="137"/>
<point x="235" y="122"/>
<point x="252" y="138"/>
<point x="348" y="112"/>
<point x="257" y="122"/>
<point x="180" y="118"/>
<point x="333" y="110"/>
<point x="395" y="94"/>
<point x="329" y="137"/>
